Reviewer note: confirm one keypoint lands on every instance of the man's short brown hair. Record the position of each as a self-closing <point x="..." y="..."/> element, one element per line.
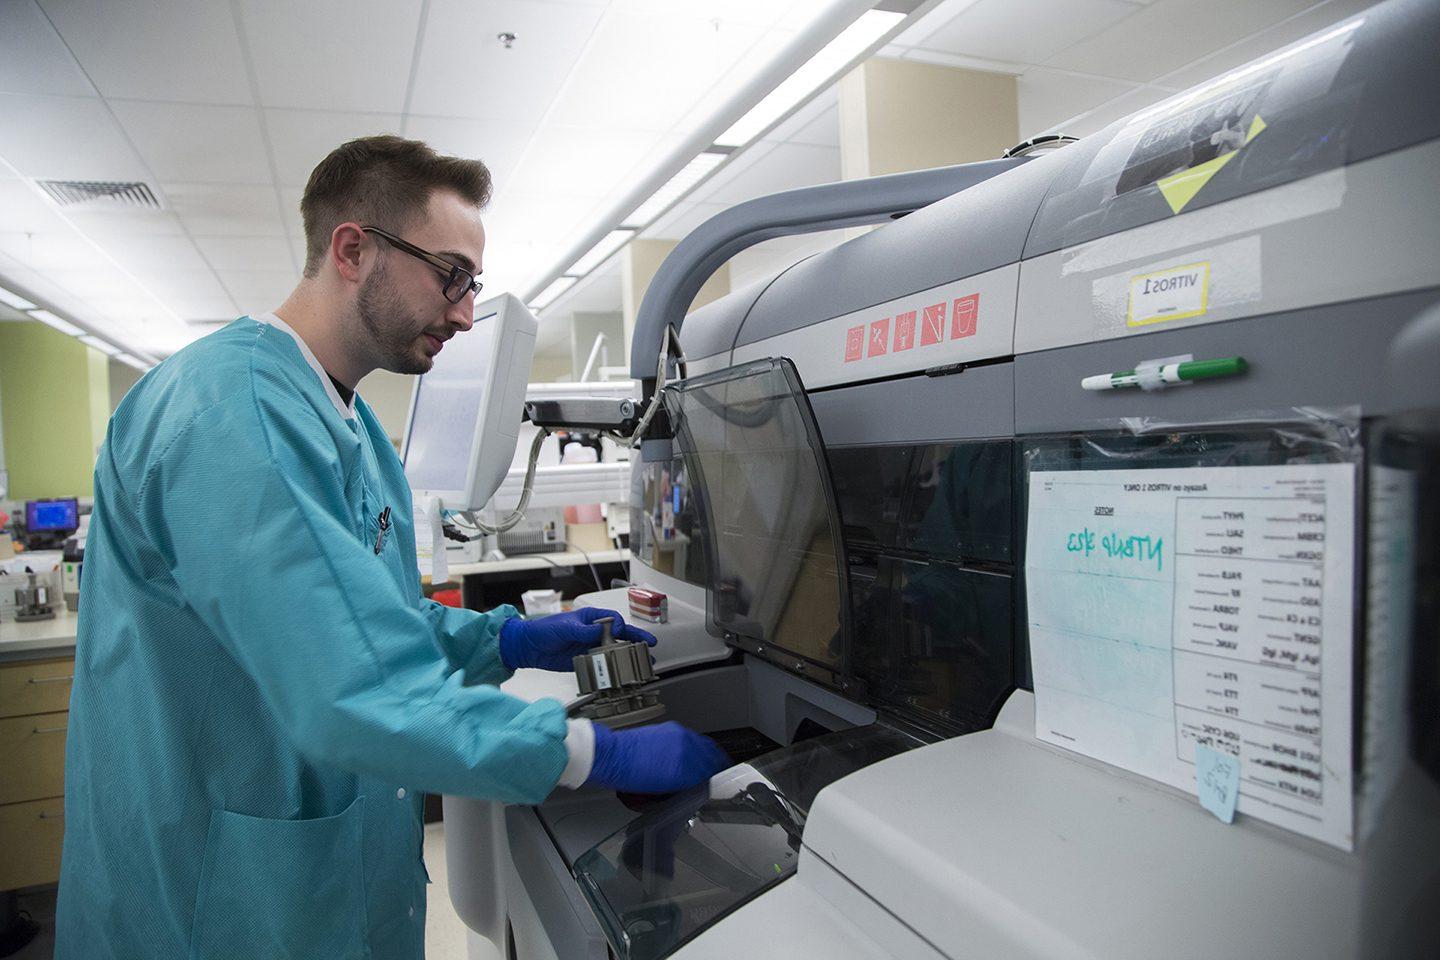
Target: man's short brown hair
<point x="384" y="181"/>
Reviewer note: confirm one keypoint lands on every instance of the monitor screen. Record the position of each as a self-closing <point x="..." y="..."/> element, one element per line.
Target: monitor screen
<point x="42" y="515"/>
<point x="448" y="403"/>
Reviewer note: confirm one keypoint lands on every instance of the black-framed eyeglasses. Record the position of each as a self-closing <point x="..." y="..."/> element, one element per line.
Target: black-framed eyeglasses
<point x="458" y="280"/>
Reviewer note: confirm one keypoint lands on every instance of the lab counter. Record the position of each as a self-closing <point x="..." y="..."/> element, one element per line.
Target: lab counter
<point x="41" y="639"/>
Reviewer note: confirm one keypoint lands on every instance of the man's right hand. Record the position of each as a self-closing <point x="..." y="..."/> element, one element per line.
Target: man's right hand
<point x="662" y="758"/>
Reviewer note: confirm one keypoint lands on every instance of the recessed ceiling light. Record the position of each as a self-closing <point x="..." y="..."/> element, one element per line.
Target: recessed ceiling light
<point x="104" y="346"/>
<point x="15" y="300"/>
<point x="678" y="185"/>
<point x="64" y="326"/>
<point x="805" y="81"/>
<point x="552" y="292"/>
<point x="601" y="252"/>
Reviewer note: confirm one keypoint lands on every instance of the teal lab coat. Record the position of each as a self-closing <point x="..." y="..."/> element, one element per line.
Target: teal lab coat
<point x="260" y="698"/>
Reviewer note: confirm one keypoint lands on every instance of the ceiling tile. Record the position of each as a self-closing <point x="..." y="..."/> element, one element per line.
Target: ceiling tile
<point x="225" y="210"/>
<point x="302" y="138"/>
<point x="1283" y="34"/>
<point x="217" y="308"/>
<point x="196" y="144"/>
<point x="464" y="72"/>
<point x="350" y="55"/>
<point x="734" y="168"/>
<point x="1168" y="33"/>
<point x="22" y="210"/>
<point x="175" y="286"/>
<point x="67" y="138"/>
<point x="497" y="142"/>
<point x="158" y="50"/>
<point x="1027" y="31"/>
<point x="47" y="251"/>
<point x="645" y="71"/>
<point x="682" y="219"/>
<point x="1048" y="98"/>
<point x="33" y="58"/>
<point x="102" y="224"/>
<point x="937" y="19"/>
<point x="787" y="167"/>
<point x="145" y="256"/>
<point x="290" y="198"/>
<point x="583" y="161"/>
<point x="247" y="253"/>
<point x="817" y="122"/>
<point x="258" y="291"/>
<point x="964" y="62"/>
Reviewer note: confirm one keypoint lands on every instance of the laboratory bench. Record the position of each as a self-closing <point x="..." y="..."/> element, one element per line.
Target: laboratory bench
<point x="37" y="663"/>
<point x="489" y="583"/>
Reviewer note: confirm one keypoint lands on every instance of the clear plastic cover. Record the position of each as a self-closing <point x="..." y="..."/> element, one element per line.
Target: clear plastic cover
<point x="671" y="873"/>
<point x="757" y="465"/>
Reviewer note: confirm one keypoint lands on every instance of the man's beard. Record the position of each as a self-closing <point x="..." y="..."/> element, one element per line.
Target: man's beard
<point x="394" y="332"/>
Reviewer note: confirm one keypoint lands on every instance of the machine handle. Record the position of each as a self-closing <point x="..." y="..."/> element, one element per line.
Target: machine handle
<point x="49" y="730"/>
<point x="51" y="679"/>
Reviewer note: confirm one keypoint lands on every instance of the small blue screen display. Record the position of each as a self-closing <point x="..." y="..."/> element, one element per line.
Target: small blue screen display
<point x="52" y="515"/>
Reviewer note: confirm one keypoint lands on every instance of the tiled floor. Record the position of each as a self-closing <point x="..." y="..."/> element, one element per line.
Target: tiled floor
<point x="445" y="934"/>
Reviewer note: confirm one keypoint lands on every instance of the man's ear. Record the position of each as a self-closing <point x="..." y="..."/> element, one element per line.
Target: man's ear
<point x="347" y="246"/>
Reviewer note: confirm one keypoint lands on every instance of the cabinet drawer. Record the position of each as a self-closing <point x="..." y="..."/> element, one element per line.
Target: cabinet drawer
<point x="30" y="836"/>
<point x="35" y="686"/>
<point x="32" y="754"/>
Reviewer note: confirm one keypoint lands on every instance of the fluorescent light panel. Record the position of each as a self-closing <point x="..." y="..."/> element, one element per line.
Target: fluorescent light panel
<point x="601" y="252"/>
<point x="130" y="361"/>
<point x="15" y="300"/>
<point x="104" y="346"/>
<point x="803" y="82"/>
<point x="552" y="293"/>
<point x="676" y="187"/>
<point x="64" y="326"/>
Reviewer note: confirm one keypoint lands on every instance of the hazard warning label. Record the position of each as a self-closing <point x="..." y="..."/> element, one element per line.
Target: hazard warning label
<point x="932" y="324"/>
<point x="904" y="331"/>
<point x="967" y="310"/>
<point x="854" y="343"/>
<point x="879" y="337"/>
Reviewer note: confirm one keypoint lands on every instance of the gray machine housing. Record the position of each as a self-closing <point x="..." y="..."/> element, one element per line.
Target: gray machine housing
<point x="1321" y="236"/>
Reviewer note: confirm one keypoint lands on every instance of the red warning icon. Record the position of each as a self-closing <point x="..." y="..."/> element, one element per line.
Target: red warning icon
<point x="854" y="343"/>
<point x="904" y="331"/>
<point x="967" y="313"/>
<point x="932" y="324"/>
<point x="879" y="337"/>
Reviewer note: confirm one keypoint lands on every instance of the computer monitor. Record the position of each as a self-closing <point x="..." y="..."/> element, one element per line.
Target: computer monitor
<point x="52" y="516"/>
<point x="465" y="413"/>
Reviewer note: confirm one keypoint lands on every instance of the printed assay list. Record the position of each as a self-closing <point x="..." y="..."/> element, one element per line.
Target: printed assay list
<point x="1210" y="606"/>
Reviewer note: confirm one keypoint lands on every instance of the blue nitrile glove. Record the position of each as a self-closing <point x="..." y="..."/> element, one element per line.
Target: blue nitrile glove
<point x="657" y="759"/>
<point x="553" y="643"/>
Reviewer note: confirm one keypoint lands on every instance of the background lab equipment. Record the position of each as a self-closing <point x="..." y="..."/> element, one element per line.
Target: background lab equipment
<point x="873" y="551"/>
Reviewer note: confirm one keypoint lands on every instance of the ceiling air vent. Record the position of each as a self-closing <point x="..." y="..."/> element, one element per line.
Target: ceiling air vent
<point x="110" y="194"/>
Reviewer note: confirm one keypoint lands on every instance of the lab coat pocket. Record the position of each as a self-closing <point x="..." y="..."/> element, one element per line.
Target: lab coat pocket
<point x="282" y="889"/>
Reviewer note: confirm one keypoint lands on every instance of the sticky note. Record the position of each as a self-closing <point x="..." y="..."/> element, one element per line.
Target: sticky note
<point x="1218" y="777"/>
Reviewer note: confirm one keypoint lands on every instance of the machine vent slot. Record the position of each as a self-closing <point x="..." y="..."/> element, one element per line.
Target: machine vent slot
<point x="131" y="194"/>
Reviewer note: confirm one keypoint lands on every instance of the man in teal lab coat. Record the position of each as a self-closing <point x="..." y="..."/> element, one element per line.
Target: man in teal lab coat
<point x="262" y="693"/>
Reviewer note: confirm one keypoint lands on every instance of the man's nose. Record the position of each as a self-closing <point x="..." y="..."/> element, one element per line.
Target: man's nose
<point x="461" y="315"/>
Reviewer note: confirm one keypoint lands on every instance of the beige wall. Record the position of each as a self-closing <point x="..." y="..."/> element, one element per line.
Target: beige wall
<point x="899" y="115"/>
<point x="640" y="259"/>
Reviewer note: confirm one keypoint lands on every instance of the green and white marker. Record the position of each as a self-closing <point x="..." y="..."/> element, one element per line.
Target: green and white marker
<point x="1182" y="372"/>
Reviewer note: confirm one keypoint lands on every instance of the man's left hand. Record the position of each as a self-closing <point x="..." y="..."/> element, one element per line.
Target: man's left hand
<point x="553" y="643"/>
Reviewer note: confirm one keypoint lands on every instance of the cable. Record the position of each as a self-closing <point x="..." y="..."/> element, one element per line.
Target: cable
<point x="593" y="572"/>
<point x="672" y="338"/>
<point x="518" y="513"/>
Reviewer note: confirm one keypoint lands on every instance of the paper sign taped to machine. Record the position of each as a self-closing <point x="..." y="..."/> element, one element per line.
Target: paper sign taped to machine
<point x="1204" y="606"/>
<point x="1170" y="294"/>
